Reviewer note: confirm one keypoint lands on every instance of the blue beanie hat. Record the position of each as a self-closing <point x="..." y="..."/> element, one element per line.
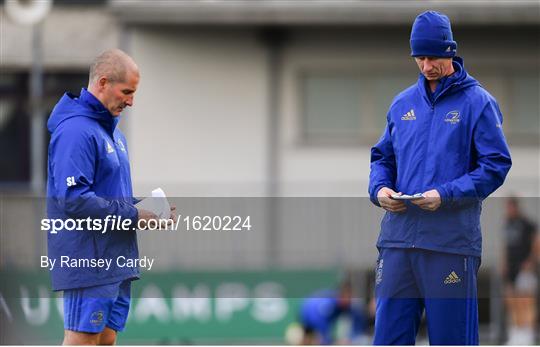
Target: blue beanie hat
<point x="431" y="36"/>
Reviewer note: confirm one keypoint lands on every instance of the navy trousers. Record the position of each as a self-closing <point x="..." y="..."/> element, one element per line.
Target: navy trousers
<point x="409" y="281"/>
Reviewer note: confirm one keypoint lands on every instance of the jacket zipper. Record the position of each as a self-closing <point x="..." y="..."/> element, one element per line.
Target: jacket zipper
<point x="426" y="147"/>
<point x="432" y="116"/>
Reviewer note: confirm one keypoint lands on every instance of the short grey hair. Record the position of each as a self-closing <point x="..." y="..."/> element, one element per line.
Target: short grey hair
<point x="112" y="64"/>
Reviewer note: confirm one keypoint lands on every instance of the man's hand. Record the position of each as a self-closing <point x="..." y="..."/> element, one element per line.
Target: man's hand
<point x="172" y="218"/>
<point x="145" y="216"/>
<point x="430" y="202"/>
<point x="385" y="200"/>
<point x="164" y="224"/>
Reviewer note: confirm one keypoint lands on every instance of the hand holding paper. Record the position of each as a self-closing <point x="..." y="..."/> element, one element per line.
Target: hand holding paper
<point x="157" y="204"/>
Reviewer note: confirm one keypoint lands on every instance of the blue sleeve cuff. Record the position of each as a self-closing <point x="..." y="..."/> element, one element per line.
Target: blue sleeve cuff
<point x="446" y="200"/>
<point x="133" y="215"/>
<point x="373" y="196"/>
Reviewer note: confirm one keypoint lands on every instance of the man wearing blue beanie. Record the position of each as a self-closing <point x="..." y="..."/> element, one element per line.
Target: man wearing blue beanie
<point x="442" y="153"/>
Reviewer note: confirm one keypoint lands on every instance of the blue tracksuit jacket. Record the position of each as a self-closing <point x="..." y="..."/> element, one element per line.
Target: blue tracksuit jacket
<point x="321" y="311"/>
<point x="88" y="176"/>
<point x="452" y="141"/>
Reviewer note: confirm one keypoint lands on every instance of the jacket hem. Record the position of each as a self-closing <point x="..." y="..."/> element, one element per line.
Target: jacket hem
<point x="451" y="250"/>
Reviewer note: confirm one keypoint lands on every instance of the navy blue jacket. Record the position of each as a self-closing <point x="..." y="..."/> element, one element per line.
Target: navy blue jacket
<point x="452" y="141"/>
<point x="88" y="176"/>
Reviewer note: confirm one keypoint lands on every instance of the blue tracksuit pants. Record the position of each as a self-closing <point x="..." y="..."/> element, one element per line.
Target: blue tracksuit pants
<point x="409" y="281"/>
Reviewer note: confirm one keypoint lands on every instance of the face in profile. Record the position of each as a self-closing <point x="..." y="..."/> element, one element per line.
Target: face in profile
<point x="119" y="95"/>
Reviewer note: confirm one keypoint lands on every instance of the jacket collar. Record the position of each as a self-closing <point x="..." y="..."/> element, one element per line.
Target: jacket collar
<point x="101" y="113"/>
<point x="446" y="84"/>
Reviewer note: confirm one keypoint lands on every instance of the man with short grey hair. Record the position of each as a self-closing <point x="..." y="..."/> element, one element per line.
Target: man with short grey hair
<point x="89" y="177"/>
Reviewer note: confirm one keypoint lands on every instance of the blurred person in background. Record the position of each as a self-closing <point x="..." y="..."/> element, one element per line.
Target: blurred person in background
<point x="519" y="270"/>
<point x="320" y="312"/>
<point x="89" y="176"/>
<point x="443" y="139"/>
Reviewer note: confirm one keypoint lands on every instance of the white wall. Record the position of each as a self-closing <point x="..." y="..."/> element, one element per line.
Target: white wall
<point x="199" y="124"/>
